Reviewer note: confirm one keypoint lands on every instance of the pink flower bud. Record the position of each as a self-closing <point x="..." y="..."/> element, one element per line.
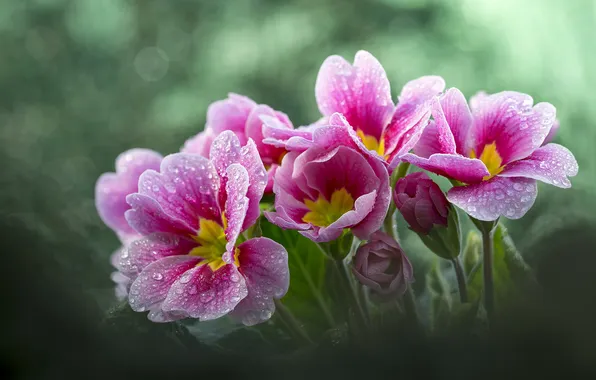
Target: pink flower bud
<point x="421" y="202"/>
<point x="381" y="265"/>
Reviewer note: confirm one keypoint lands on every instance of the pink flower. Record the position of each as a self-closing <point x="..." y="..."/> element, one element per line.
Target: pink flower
<point x="381" y="265"/>
<point x="361" y="92"/>
<point x="242" y="116"/>
<point x="421" y="202"/>
<point x="187" y="263"/>
<point x="332" y="185"/>
<point x="111" y="190"/>
<point x="495" y="151"/>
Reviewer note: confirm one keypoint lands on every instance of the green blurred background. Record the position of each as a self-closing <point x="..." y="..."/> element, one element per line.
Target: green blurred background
<point x="83" y="80"/>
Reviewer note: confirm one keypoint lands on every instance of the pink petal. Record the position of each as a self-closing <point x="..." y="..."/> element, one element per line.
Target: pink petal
<point x="186" y="188"/>
<point x="264" y="265"/>
<point x="508" y="119"/>
<point x="200" y="144"/>
<point x="254" y="130"/>
<point x="457" y="116"/>
<point x="236" y="202"/>
<point x="146" y="250"/>
<point x="500" y="196"/>
<point x="360" y="92"/>
<point x="226" y="150"/>
<point x="463" y="169"/>
<point x="551" y="163"/>
<point x="204" y="294"/>
<point x="146" y="216"/>
<point x="277" y="134"/>
<point x="270" y="178"/>
<point x="552" y="133"/>
<point x="230" y="115"/>
<point x="411" y="114"/>
<point x="111" y="189"/>
<point x="151" y="287"/>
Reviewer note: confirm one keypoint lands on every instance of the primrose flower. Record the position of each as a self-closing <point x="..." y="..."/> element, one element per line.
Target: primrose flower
<point x="191" y="213"/>
<point x="111" y="190"/>
<point x="381" y="265"/>
<point x="494" y="151"/>
<point x="361" y="92"/>
<point x="330" y="186"/>
<point x="242" y="116"/>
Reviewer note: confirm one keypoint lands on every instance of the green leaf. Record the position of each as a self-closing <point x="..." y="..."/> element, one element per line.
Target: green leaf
<point x="512" y="276"/>
<point x="307" y="296"/>
<point x="472" y="251"/>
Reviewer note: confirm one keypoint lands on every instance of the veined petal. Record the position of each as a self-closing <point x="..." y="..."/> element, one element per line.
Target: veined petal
<point x="204" y="294"/>
<point x="264" y="265"/>
<point x="463" y="169"/>
<point x="230" y="115"/>
<point x="146" y="216"/>
<point x="200" y="144"/>
<point x="360" y="92"/>
<point x="254" y="130"/>
<point x="278" y="135"/>
<point x="236" y="202"/>
<point x="499" y="196"/>
<point x="551" y="163"/>
<point x="456" y="114"/>
<point x="111" y="189"/>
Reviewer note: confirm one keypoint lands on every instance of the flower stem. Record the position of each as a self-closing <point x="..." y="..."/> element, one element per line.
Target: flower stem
<point x="349" y="292"/>
<point x="487" y="266"/>
<point x="461" y="280"/>
<point x="292" y="323"/>
<point x="410" y="308"/>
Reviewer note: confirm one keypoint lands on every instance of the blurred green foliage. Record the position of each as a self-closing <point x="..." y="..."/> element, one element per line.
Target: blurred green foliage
<point x="83" y="80"/>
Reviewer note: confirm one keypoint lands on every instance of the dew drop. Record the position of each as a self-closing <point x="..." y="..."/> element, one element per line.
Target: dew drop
<point x="157" y="276"/>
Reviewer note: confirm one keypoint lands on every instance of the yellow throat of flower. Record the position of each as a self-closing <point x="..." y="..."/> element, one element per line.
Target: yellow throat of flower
<point x="323" y="212"/>
<point x="212" y="240"/>
<point x="371" y="143"/>
<point x="491" y="159"/>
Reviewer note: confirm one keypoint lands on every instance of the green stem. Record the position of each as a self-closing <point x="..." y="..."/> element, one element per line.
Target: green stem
<point x="461" y="280"/>
<point x="410" y="308"/>
<point x="388" y="224"/>
<point x="292" y="323"/>
<point x="347" y="290"/>
<point x="487" y="266"/>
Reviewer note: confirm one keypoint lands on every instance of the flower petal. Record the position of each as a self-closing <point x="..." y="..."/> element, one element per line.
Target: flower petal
<point x="552" y="133"/>
<point x="146" y="216"/>
<point x="230" y="115"/>
<point x="204" y="294"/>
<point x="463" y="169"/>
<point x="509" y="120"/>
<point x="151" y="287"/>
<point x="457" y="116"/>
<point x="144" y="251"/>
<point x="236" y="202"/>
<point x="411" y="114"/>
<point x="277" y="134"/>
<point x="360" y="92"/>
<point x="500" y="196"/>
<point x="111" y="189"/>
<point x="264" y="265"/>
<point x="551" y="163"/>
<point x="200" y="144"/>
<point x="226" y="150"/>
<point x="254" y="130"/>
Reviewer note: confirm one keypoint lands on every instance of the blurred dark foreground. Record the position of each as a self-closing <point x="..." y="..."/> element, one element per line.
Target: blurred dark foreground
<point x="46" y="334"/>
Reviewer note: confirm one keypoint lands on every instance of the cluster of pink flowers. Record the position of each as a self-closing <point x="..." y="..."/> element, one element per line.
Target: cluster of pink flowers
<point x="181" y="218"/>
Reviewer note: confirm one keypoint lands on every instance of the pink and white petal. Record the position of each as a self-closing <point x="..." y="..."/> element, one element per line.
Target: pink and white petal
<point x="264" y="265"/>
<point x="552" y="133"/>
<point x="153" y="284"/>
<point x="454" y="166"/>
<point x="406" y="143"/>
<point x="200" y="144"/>
<point x="111" y="189"/>
<point x="146" y="250"/>
<point x="499" y="196"/>
<point x="458" y="117"/>
<point x="277" y="134"/>
<point x="159" y="316"/>
<point x="552" y="164"/>
<point x="254" y="130"/>
<point x="204" y="294"/>
<point x="271" y="178"/>
<point x="230" y="115"/>
<point x="412" y="112"/>
<point x="186" y="188"/>
<point x="226" y="150"/>
<point x="360" y="92"/>
<point x="288" y="213"/>
<point x="146" y="216"/>
<point x="236" y="202"/>
<point x="509" y="120"/>
<point x="286" y="183"/>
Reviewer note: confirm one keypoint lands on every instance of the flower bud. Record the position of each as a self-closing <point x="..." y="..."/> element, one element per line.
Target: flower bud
<point x="421" y="202"/>
<point x="426" y="209"/>
<point x="381" y="265"/>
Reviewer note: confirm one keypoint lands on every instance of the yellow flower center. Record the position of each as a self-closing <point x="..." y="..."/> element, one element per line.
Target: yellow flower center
<point x="371" y="143"/>
<point x="323" y="212"/>
<point x="212" y="240"/>
<point x="491" y="159"/>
